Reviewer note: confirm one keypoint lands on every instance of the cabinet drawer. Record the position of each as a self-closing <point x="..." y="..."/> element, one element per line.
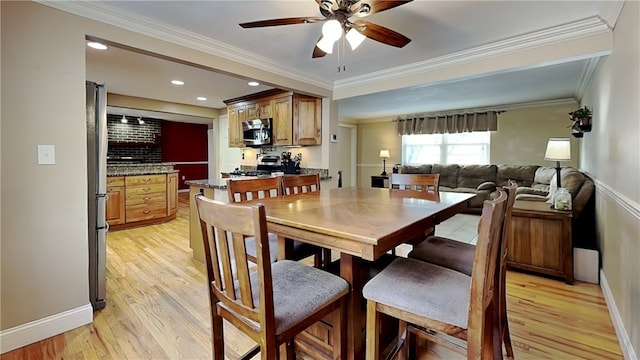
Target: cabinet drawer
<point x="137" y="199"/>
<point x="115" y="181"/>
<point x="146" y="179"/>
<point x="146" y="211"/>
<point x="146" y="189"/>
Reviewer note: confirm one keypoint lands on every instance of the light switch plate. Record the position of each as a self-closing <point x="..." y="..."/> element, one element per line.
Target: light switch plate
<point x="46" y="154"/>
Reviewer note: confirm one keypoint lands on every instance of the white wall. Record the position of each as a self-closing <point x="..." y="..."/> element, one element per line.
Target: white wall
<point x="611" y="154"/>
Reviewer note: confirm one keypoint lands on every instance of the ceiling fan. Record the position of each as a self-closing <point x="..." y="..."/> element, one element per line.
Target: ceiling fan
<point x="336" y="14"/>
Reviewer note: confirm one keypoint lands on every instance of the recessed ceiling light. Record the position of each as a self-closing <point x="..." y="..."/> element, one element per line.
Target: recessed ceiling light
<point x="97" y="45"/>
<point x="201" y="98"/>
<point x="253" y="83"/>
<point x="177" y="82"/>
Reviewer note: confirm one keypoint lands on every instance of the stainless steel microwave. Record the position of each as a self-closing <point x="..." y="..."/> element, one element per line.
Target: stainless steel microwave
<point x="257" y="132"/>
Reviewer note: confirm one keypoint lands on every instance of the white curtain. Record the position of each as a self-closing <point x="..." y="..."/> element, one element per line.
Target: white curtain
<point x="447" y="124"/>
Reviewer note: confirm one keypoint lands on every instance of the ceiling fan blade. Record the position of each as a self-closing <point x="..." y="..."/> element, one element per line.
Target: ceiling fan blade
<point x="381" y="34"/>
<point x="283" y="21"/>
<point x="367" y="7"/>
<point x="317" y="52"/>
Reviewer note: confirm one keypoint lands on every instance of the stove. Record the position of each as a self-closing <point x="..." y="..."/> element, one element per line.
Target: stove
<point x="250" y="173"/>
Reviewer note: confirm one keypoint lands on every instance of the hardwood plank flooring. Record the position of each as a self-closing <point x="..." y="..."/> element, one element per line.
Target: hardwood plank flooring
<point x="158" y="308"/>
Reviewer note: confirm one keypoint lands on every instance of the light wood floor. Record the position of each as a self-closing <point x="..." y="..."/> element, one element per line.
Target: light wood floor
<point x="158" y="308"/>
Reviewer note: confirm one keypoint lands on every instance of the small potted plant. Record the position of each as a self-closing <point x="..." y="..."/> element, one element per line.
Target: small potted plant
<point x="581" y="118"/>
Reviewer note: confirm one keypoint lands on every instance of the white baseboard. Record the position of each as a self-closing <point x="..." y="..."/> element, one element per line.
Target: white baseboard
<point x="621" y="332"/>
<point x="25" y="334"/>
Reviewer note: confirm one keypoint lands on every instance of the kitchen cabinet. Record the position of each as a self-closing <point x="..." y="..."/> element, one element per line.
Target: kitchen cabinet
<point x="172" y="194"/>
<point x="236" y="115"/>
<point x="136" y="200"/>
<point x="115" y="200"/>
<point x="282" y="120"/>
<point x="146" y="197"/>
<point x="297" y="119"/>
<point x="307" y="120"/>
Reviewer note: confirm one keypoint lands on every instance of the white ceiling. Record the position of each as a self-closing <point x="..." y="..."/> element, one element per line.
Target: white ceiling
<point x="442" y="32"/>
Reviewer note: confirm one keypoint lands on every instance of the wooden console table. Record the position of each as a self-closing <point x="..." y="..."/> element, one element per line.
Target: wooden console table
<point x="539" y="240"/>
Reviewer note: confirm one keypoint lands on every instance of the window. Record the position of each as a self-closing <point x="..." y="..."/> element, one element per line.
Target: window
<point x="463" y="148"/>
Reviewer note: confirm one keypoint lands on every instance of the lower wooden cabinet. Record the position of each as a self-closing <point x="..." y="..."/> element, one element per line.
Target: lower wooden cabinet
<point x="115" y="200"/>
<point x="172" y="194"/>
<point x="141" y="199"/>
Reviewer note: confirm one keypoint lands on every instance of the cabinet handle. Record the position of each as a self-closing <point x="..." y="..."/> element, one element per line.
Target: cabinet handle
<point x="146" y="212"/>
<point x="146" y="189"/>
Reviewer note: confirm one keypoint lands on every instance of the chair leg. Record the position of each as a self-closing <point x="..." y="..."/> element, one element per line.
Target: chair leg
<point x="506" y="337"/>
<point x="326" y="257"/>
<point x="402" y="343"/>
<point x="339" y="333"/>
<point x="373" y="329"/>
<point x="217" y="332"/>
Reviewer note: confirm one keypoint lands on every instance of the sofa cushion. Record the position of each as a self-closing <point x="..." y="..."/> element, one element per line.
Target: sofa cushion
<point x="521" y="174"/>
<point x="470" y="176"/>
<point x="544" y="175"/>
<point x="448" y="174"/>
<point x="419" y="169"/>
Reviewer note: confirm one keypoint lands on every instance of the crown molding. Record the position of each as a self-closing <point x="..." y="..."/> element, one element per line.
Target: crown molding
<point x="110" y="15"/>
<point x="587" y="74"/>
<point x="578" y="29"/>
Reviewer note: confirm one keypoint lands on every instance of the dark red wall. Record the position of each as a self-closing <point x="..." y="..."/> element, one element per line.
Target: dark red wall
<point x="184" y="142"/>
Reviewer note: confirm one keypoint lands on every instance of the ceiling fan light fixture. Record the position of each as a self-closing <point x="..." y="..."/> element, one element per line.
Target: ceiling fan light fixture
<point x="355" y="38"/>
<point x="325" y="44"/>
<point x="332" y="30"/>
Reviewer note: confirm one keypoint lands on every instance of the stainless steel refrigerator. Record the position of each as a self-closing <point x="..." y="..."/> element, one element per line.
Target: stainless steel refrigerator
<point x="97" y="191"/>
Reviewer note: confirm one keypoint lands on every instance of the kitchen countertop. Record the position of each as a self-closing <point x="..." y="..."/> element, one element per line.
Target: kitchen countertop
<point x="140" y="169"/>
<point x="221" y="183"/>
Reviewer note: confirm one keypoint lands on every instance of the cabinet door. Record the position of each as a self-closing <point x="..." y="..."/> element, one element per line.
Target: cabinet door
<point x="307" y="121"/>
<point x="115" y="205"/>
<point x="282" y="114"/>
<point x="251" y="111"/>
<point x="172" y="194"/>
<point x="264" y="109"/>
<point x="236" y="115"/>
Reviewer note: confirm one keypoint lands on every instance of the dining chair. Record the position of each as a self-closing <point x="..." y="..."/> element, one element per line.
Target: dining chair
<point x="241" y="190"/>
<point x="439" y="303"/>
<point x="420" y="182"/>
<point x="297" y="184"/>
<point x="428" y="183"/>
<point x="458" y="256"/>
<point x="273" y="304"/>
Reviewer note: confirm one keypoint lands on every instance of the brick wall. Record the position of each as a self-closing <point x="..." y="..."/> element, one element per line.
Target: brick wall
<point x="139" y="141"/>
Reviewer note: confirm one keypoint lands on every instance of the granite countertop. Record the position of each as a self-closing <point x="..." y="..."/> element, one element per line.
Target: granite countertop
<point x="140" y="169"/>
<point x="221" y="183"/>
<point x="218" y="183"/>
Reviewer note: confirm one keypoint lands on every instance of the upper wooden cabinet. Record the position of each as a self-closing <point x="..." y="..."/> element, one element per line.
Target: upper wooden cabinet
<point x="307" y="120"/>
<point x="297" y="119"/>
<point x="236" y="115"/>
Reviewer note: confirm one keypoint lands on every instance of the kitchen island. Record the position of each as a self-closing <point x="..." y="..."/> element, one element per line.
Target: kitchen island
<point x="213" y="189"/>
<point x="141" y="194"/>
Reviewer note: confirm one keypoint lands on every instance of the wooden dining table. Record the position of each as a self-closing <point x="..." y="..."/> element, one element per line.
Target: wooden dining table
<point x="361" y="224"/>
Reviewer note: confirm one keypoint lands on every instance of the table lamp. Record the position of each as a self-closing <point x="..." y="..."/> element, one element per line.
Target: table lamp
<point x="558" y="149"/>
<point x="384" y="154"/>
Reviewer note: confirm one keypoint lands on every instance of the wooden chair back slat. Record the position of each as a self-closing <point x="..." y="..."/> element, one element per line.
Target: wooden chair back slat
<point x="251" y="189"/>
<point x="301" y="184"/>
<point x="418" y="182"/>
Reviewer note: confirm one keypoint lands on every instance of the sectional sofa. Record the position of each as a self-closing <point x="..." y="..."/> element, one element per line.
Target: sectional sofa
<point x="535" y="183"/>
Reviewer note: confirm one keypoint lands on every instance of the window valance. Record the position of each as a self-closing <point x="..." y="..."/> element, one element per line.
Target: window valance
<point x="447" y="124"/>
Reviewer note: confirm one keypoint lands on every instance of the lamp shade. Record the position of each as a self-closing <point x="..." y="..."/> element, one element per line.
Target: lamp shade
<point x="384" y="154"/>
<point x="558" y="149"/>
